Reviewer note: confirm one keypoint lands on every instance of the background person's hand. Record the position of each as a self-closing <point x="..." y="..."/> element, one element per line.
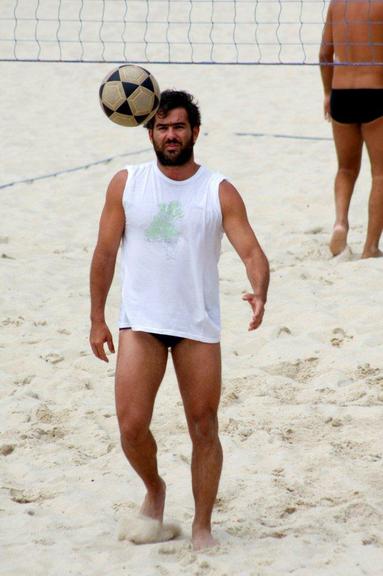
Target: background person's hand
<point x="326" y="108"/>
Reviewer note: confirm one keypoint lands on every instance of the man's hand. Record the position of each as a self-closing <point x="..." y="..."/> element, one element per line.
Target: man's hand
<point x="326" y="108"/>
<point x="99" y="334"/>
<point x="258" y="308"/>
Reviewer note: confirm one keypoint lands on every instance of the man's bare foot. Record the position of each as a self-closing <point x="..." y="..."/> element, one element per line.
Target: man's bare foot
<point x="372" y="253"/>
<point x="144" y="530"/>
<point x="338" y="240"/>
<point x="154" y="503"/>
<point x="203" y="539"/>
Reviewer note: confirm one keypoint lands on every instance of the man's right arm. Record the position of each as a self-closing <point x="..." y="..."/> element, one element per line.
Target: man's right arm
<point x="326" y="59"/>
<point x="111" y="228"/>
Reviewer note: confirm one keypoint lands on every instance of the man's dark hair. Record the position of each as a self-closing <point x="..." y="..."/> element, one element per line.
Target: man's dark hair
<point x="171" y="99"/>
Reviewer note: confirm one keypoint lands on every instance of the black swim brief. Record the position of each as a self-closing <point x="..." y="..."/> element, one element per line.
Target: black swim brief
<point x="356" y="105"/>
<point x="166" y="339"/>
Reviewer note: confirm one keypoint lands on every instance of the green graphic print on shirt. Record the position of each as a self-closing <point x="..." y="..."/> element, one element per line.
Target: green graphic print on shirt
<point x="162" y="228"/>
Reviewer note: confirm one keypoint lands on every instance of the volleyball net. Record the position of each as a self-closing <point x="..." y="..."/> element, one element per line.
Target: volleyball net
<point x="162" y="31"/>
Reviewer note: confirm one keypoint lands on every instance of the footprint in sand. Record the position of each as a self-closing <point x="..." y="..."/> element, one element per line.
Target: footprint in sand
<point x="301" y="370"/>
<point x="26" y="496"/>
<point x="7" y="449"/>
<point x="53" y="357"/>
<point x="340" y="337"/>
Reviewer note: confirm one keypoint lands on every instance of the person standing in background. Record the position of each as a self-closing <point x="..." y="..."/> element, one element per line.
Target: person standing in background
<point x="351" y="58"/>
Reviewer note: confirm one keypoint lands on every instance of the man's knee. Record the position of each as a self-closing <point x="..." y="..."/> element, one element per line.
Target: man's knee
<point x="133" y="431"/>
<point x="204" y="427"/>
<point x="350" y="172"/>
<point x="377" y="175"/>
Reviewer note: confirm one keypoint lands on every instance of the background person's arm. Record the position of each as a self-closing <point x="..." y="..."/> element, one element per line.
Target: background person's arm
<point x="326" y="59"/>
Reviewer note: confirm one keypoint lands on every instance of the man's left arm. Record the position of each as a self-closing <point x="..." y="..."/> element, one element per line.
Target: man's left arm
<point x="241" y="235"/>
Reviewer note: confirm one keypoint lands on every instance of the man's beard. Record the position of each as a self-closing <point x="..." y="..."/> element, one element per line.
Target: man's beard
<point x="177" y="159"/>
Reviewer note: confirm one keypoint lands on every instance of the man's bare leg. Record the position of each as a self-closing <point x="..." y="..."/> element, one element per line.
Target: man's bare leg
<point x="375" y="220"/>
<point x="141" y="365"/>
<point x="348" y="143"/>
<point x="198" y="369"/>
<point x="373" y="136"/>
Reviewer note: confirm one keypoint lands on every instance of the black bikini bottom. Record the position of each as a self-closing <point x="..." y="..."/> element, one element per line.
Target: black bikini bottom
<point x="166" y="339"/>
<point x="356" y="105"/>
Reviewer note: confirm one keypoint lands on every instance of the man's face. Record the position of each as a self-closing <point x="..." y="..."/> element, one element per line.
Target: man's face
<point x="173" y="138"/>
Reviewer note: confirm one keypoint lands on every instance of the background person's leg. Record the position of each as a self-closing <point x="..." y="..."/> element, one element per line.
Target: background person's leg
<point x="348" y="144"/>
<point x="373" y="136"/>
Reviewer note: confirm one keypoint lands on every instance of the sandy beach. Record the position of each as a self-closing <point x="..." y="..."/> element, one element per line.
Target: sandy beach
<point x="302" y="404"/>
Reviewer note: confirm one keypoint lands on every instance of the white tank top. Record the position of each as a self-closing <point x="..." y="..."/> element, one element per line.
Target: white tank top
<point x="170" y="251"/>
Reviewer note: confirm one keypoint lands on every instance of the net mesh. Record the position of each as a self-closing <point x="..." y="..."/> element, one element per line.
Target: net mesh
<point x="162" y="31"/>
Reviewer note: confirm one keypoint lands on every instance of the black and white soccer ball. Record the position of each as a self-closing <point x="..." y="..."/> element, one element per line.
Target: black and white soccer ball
<point x="129" y="95"/>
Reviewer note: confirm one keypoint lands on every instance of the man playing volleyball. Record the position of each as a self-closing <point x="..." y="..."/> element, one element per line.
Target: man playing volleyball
<point x="353" y="89"/>
<point x="170" y="215"/>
